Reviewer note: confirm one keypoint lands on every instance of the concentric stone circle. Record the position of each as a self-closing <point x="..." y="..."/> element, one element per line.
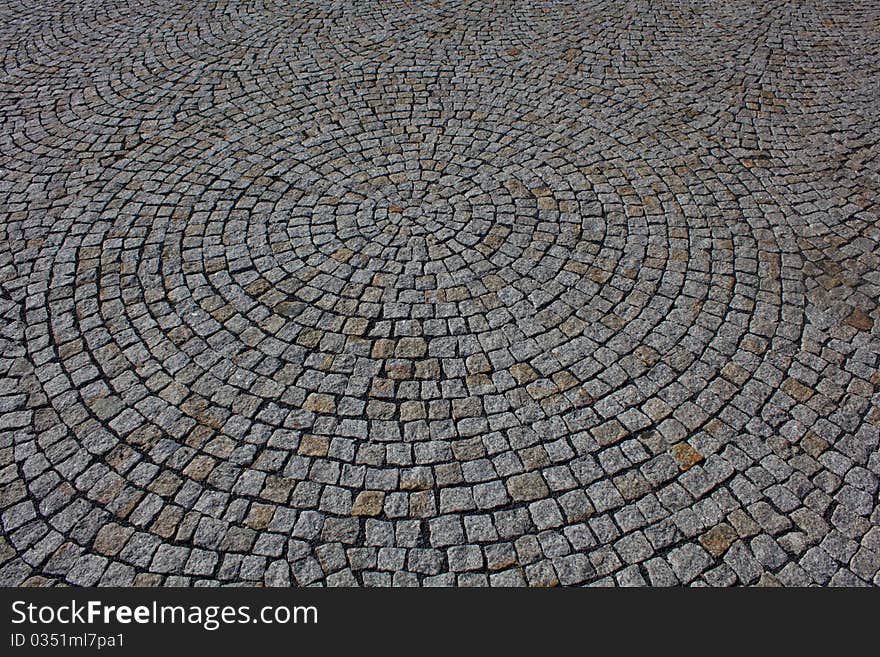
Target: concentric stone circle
<point x="404" y="294"/>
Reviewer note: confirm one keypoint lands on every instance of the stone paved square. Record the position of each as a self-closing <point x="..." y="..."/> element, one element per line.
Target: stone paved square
<point x="562" y="292"/>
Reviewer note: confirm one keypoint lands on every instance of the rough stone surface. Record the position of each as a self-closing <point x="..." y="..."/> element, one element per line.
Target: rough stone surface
<point x="425" y="293"/>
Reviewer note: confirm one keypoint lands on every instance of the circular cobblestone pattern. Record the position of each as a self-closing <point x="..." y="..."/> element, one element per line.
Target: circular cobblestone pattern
<point x="426" y="293"/>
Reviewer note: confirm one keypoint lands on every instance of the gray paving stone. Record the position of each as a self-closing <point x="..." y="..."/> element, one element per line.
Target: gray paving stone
<point x="688" y="561"/>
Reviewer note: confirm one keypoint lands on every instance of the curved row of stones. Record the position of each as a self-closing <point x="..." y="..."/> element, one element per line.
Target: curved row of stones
<point x="413" y="293"/>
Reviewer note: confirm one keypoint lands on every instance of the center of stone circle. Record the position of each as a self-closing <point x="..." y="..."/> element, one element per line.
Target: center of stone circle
<point x="420" y="216"/>
<point x="420" y="209"/>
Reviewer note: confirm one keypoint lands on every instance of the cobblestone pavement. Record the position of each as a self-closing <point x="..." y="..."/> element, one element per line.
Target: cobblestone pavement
<point x="439" y="293"/>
